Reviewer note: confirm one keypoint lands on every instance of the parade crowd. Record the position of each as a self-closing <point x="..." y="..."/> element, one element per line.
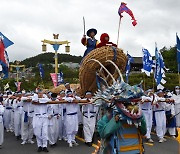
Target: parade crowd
<point x="27" y="114"/>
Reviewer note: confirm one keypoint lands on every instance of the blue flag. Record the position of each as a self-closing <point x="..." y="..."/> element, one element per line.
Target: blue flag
<point x="128" y="66"/>
<point x="41" y="71"/>
<point x="56" y="46"/>
<point x="60" y="78"/>
<point x="147" y="61"/>
<point x="100" y="81"/>
<point x="178" y="49"/>
<point x="159" y="68"/>
<point x="158" y="74"/>
<point x="6" y="41"/>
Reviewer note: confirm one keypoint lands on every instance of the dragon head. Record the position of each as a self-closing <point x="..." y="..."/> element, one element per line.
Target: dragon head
<point x="122" y="97"/>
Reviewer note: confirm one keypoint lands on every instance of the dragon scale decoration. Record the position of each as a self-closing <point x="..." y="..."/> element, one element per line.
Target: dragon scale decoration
<point x="123" y="123"/>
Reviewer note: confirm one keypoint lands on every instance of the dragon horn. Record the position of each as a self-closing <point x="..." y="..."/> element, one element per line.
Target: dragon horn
<point x="106" y="100"/>
<point x="104" y="68"/>
<point x="120" y="74"/>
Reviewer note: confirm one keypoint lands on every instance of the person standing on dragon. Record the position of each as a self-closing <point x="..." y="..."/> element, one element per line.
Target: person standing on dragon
<point x="91" y="42"/>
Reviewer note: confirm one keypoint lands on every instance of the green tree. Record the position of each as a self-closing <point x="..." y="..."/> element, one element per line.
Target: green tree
<point x="170" y="58"/>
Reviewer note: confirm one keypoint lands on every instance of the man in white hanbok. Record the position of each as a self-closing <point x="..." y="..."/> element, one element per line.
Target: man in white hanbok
<point x="89" y="119"/>
<point x="53" y="121"/>
<point x="176" y="97"/>
<point x="71" y="118"/>
<point x="17" y="106"/>
<point x="27" y="119"/>
<point x="160" y="116"/>
<point x="146" y="107"/>
<point x="1" y="124"/>
<point x="40" y="120"/>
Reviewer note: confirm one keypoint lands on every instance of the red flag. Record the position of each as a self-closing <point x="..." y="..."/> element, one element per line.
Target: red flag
<point x="3" y="59"/>
<point x="2" y="49"/>
<point x="18" y="85"/>
<point x="54" y="79"/>
<point x="124" y="8"/>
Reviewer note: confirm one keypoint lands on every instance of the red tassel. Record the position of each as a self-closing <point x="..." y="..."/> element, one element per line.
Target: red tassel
<point x="134" y="23"/>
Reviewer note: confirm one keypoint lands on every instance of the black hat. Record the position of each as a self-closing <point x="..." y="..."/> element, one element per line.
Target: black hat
<point x="91" y="30"/>
<point x="69" y="92"/>
<point x="53" y="95"/>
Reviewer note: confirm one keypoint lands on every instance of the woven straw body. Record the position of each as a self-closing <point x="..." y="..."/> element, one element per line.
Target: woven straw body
<point x="62" y="87"/>
<point x="88" y="68"/>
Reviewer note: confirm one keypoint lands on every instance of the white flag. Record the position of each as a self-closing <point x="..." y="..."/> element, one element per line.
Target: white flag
<point x="6" y="86"/>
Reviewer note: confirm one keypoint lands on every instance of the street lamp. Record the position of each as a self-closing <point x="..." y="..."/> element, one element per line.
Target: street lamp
<point x="17" y="66"/>
<point x="55" y="45"/>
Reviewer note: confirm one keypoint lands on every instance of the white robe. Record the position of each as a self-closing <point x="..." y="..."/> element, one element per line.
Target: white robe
<point x="89" y="119"/>
<point x="27" y="127"/>
<point x="53" y="123"/>
<point x="148" y="114"/>
<point x="1" y="125"/>
<point x="17" y="117"/>
<point x="71" y="118"/>
<point x="177" y="108"/>
<point x="160" y="117"/>
<point x="40" y="121"/>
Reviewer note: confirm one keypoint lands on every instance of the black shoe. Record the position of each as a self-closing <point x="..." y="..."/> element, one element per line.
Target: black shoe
<point x="39" y="149"/>
<point x="51" y="145"/>
<point x="55" y="144"/>
<point x="89" y="144"/>
<point x="45" y="149"/>
<point x="18" y="138"/>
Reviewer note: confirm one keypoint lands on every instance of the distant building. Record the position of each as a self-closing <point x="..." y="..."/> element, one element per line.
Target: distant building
<point x="137" y="65"/>
<point x="27" y="74"/>
<point x="71" y="65"/>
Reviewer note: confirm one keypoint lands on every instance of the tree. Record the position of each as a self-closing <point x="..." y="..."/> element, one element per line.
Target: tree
<point x="170" y="59"/>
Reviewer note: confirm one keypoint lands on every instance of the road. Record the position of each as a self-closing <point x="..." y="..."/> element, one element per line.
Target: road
<point x="12" y="146"/>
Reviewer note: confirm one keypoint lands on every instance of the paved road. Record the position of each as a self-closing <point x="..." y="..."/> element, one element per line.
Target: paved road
<point x="168" y="147"/>
<point x="11" y="146"/>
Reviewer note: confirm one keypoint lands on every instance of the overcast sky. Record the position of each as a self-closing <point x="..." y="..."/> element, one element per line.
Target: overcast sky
<point x="27" y="22"/>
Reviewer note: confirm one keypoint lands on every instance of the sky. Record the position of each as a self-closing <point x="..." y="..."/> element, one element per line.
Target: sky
<point x="27" y="22"/>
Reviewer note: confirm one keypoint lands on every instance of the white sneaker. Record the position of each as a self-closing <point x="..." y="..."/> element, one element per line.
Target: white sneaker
<point x="173" y="136"/>
<point x="161" y="140"/>
<point x="70" y="145"/>
<point x="75" y="143"/>
<point x="150" y="140"/>
<point x="24" y="142"/>
<point x="164" y="140"/>
<point x="11" y="131"/>
<point x="30" y="141"/>
<point x="60" y="139"/>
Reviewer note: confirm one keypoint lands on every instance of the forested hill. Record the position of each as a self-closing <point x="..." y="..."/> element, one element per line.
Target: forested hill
<point x="47" y="58"/>
<point x="169" y="55"/>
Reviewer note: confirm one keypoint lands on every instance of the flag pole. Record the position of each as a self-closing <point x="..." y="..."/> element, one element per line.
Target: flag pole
<point x="144" y="82"/>
<point x="153" y="82"/>
<point x="178" y="75"/>
<point x="118" y="30"/>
